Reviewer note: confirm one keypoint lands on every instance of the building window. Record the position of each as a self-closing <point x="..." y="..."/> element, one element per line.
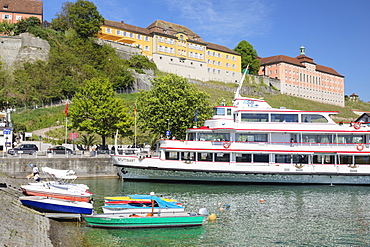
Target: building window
<point x="18" y="18"/>
<point x="118" y="32"/>
<point x="146" y="48"/>
<point x="147" y="38"/>
<point x="139" y="36"/>
<point x="227" y="57"/>
<point x="108" y="30"/>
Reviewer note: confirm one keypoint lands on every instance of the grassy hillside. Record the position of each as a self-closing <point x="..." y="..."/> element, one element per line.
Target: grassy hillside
<point x="29" y="120"/>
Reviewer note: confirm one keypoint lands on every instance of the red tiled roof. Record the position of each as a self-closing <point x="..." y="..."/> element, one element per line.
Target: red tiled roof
<point x="220" y="48"/>
<point x="21" y="6"/>
<point x="122" y="25"/>
<point x="160" y="26"/>
<point x="298" y="61"/>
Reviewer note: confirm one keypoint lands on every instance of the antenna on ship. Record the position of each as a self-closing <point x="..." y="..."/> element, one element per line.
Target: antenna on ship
<point x="237" y="93"/>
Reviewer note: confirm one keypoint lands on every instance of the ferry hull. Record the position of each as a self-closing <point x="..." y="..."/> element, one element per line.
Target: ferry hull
<point x="299" y="176"/>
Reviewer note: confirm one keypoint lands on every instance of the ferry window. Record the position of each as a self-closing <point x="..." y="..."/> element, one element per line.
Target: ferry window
<point x="228" y="111"/>
<point x="284" y="118"/>
<point x="317" y="138"/>
<point x="323" y="159"/>
<point x="219" y="111"/>
<point x="349" y="139"/>
<point x="260" y="158"/>
<point x="251" y="137"/>
<point x="187" y="155"/>
<point x="191" y="136"/>
<point x="283" y="158"/>
<point x="243" y="158"/>
<point x="362" y="159"/>
<point x="346" y="159"/>
<point x="222" y="157"/>
<point x="205" y="156"/>
<point x="172" y="155"/>
<point x="300" y="159"/>
<point x="214" y="137"/>
<point x="313" y="118"/>
<point x="254" y="117"/>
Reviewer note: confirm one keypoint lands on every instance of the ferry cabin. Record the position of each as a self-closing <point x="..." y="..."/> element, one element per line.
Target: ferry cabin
<point x="262" y="136"/>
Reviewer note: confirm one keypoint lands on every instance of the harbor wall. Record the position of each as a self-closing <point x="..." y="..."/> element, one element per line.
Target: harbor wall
<point x="83" y="167"/>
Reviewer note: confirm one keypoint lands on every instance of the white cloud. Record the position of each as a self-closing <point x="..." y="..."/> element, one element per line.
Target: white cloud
<point x="223" y="22"/>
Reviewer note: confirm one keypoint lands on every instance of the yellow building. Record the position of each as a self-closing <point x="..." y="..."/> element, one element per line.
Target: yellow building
<point x="176" y="49"/>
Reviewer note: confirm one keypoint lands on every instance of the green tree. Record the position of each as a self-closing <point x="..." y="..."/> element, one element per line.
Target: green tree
<point x="172" y="98"/>
<point x="61" y="23"/>
<point x="96" y="110"/>
<point x="25" y="25"/>
<point x="249" y="57"/>
<point x="85" y="18"/>
<point x="7" y="28"/>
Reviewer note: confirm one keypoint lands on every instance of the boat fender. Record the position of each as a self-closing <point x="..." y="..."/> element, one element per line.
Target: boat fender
<point x="203" y="211"/>
<point x="360" y="147"/>
<point x="227" y="144"/>
<point x="357" y="126"/>
<point x="212" y="217"/>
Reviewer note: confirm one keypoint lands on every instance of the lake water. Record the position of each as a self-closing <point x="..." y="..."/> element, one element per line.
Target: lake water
<point x="259" y="215"/>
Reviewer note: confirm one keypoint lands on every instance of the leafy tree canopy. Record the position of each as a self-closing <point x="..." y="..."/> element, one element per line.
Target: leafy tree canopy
<point x="85" y="18"/>
<point x="173" y="98"/>
<point x="95" y="109"/>
<point x="248" y="56"/>
<point x="25" y="25"/>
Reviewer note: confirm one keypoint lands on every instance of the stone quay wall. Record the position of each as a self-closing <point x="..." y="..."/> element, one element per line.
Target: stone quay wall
<point x="89" y="167"/>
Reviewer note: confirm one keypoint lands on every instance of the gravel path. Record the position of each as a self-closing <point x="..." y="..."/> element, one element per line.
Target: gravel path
<point x="41" y="132"/>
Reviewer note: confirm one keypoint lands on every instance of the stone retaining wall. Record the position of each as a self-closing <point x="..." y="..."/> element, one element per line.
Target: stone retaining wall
<point x="84" y="167"/>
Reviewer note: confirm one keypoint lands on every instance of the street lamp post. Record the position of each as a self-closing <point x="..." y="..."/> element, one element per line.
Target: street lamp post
<point x="168" y="129"/>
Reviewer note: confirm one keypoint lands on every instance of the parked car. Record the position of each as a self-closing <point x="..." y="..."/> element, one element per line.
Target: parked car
<point x="24" y="149"/>
<point x="59" y="150"/>
<point x="103" y="149"/>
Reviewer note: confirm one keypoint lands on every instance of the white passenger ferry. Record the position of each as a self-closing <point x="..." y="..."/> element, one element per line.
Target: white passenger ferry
<point x="254" y="143"/>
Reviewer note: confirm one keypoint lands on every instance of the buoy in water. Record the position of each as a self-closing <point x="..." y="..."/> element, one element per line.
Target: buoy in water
<point x="219" y="204"/>
<point x="212" y="217"/>
<point x="221" y="209"/>
<point x="262" y="201"/>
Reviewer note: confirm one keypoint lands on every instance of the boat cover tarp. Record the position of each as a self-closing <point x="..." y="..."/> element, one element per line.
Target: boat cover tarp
<point x="161" y="203"/>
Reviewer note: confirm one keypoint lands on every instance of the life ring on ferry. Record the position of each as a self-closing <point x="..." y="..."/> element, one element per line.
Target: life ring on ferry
<point x="360" y="147"/>
<point x="226" y="144"/>
<point x="357" y="126"/>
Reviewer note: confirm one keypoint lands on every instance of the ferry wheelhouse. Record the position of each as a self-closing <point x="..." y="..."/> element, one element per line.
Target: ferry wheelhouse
<point x="253" y="142"/>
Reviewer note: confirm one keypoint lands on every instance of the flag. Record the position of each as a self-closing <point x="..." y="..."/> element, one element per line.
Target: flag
<point x="66" y="110"/>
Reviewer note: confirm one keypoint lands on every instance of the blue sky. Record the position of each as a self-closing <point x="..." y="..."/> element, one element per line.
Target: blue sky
<point x="336" y="33"/>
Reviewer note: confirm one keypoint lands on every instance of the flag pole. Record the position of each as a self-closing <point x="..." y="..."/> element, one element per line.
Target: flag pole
<point x="66" y="112"/>
<point x="135" y="125"/>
